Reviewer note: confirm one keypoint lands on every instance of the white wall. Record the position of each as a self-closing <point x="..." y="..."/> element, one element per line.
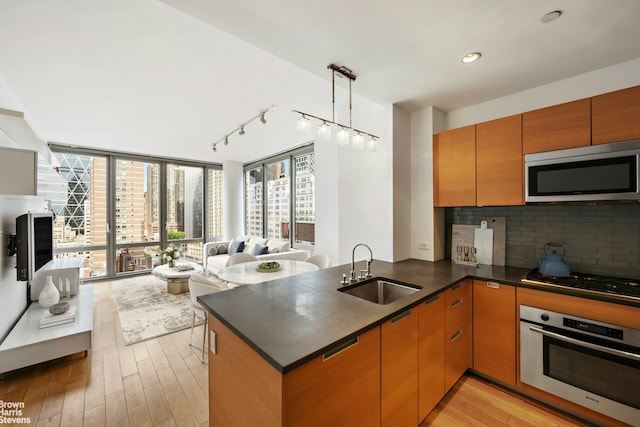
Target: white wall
<point x="232" y="200"/>
<point x="426" y="226"/>
<point x="402" y="187"/>
<point x="609" y="79"/>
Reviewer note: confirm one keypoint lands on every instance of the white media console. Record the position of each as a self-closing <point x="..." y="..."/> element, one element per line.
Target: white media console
<point x="28" y="344"/>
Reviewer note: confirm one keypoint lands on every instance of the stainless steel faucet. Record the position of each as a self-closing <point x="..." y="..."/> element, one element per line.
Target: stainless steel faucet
<point x="352" y="274"/>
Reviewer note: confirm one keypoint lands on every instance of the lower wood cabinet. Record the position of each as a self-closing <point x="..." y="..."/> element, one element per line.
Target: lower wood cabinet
<point x="399" y="375"/>
<point x="342" y="387"/>
<point x="458" y="332"/>
<point x="494" y="330"/>
<point x="430" y="355"/>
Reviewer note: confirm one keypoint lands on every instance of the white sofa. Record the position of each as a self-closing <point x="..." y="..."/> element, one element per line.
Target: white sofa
<point x="216" y="254"/>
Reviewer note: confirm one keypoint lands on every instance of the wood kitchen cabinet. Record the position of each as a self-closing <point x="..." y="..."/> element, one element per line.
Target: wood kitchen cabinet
<point x="458" y="332"/>
<point x="499" y="162"/>
<point x="455" y="167"/>
<point x="615" y="116"/>
<point x="557" y="127"/>
<point x="430" y="355"/>
<point x="494" y="330"/>
<point x="399" y="375"/>
<point x="343" y="384"/>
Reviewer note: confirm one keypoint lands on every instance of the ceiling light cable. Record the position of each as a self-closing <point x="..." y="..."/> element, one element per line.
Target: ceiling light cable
<point x="240" y="129"/>
<point x="303" y="124"/>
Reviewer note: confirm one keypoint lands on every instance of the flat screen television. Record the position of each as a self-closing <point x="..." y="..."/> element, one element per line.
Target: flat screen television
<point x="34" y="243"/>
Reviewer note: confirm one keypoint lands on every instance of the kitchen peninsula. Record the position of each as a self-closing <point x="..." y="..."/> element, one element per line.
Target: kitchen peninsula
<point x="297" y="351"/>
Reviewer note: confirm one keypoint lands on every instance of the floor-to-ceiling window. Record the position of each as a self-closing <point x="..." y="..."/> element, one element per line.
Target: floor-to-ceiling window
<point x="184" y="224"/>
<point x="122" y="208"/>
<point x="80" y="227"/>
<point x="137" y="208"/>
<point x="280" y="197"/>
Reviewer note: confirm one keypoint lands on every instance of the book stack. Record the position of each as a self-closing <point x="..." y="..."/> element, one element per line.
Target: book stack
<point x="49" y="319"/>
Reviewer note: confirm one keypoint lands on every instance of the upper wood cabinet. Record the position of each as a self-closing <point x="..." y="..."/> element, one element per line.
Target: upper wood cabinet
<point x="499" y="162"/>
<point x="616" y="116"/>
<point x="456" y="167"/>
<point x="558" y="127"/>
<point x="494" y="330"/>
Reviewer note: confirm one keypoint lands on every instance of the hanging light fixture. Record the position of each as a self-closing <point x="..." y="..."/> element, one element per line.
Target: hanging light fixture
<point x="358" y="141"/>
<point x="303" y="124"/>
<point x="324" y="131"/>
<point x="240" y="129"/>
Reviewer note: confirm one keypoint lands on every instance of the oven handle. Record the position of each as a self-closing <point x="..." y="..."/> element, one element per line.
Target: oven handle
<point x="561" y="337"/>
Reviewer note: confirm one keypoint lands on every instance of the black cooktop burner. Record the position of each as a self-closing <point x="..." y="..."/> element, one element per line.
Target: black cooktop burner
<point x="614" y="286"/>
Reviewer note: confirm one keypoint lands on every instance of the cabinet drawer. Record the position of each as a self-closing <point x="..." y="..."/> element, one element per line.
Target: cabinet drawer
<point x="457" y="350"/>
<point x="457" y="309"/>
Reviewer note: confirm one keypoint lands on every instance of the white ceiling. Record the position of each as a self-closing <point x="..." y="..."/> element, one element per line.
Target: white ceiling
<point x="172" y="77"/>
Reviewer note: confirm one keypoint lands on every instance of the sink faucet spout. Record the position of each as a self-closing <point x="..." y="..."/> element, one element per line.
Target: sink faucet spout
<point x="352" y="274"/>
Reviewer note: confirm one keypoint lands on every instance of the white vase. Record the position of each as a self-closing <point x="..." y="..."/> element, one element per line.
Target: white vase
<point x="49" y="294"/>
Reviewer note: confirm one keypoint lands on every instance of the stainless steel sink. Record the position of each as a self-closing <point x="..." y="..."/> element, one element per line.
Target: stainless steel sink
<point x="380" y="291"/>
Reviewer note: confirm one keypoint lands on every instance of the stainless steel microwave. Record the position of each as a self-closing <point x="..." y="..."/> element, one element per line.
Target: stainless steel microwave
<point x="596" y="172"/>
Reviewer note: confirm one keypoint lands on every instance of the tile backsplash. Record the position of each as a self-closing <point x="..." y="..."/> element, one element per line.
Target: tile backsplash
<point x="599" y="239"/>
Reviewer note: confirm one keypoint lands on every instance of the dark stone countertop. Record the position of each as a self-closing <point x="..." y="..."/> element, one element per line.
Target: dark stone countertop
<point x="293" y="320"/>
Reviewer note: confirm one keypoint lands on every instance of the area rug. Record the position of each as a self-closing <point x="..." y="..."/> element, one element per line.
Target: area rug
<point x="146" y="310"/>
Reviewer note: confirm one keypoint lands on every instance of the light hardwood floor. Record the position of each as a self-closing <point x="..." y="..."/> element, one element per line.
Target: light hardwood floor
<point x="161" y="382"/>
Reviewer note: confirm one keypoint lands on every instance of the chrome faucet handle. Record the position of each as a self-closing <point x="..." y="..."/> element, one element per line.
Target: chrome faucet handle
<point x="352" y="276"/>
<point x="363" y="275"/>
<point x="369" y="275"/>
<point x="344" y="280"/>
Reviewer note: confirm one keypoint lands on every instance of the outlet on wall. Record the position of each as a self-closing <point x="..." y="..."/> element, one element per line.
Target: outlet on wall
<point x="423" y="245"/>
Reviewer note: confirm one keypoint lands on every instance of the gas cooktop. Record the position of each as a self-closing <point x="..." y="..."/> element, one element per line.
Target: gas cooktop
<point x="615" y="287"/>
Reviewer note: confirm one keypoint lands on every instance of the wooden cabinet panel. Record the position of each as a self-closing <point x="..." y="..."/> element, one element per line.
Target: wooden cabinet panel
<point x="456" y="165"/>
<point x="616" y="116"/>
<point x="458" y="332"/>
<point x="235" y="368"/>
<point x="430" y="355"/>
<point x="499" y="162"/>
<point x="400" y="370"/>
<point x="558" y="127"/>
<point x="494" y="330"/>
<point x="344" y="386"/>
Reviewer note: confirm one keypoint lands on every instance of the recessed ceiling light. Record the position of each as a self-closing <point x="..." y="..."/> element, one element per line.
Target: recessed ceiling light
<point x="471" y="57"/>
<point x="551" y="16"/>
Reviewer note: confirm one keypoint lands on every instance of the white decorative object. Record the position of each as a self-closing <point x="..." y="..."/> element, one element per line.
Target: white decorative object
<point x="49" y="294"/>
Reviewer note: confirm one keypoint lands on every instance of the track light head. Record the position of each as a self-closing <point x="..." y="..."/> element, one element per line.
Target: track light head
<point x="226" y="140"/>
<point x="262" y="119"/>
<point x="215" y="149"/>
<point x="241" y="130"/>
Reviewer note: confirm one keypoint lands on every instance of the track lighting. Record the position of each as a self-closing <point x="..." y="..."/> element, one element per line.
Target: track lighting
<point x="240" y="129"/>
<point x="303" y="124"/>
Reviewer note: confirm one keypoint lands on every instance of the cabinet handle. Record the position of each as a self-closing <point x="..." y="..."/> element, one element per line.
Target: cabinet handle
<point x="339" y="348"/>
<point x="212" y="342"/>
<point x="401" y="316"/>
<point x="493" y="285"/>
<point x="456" y="286"/>
<point x="456" y="303"/>
<point x="432" y="299"/>
<point x="456" y="335"/>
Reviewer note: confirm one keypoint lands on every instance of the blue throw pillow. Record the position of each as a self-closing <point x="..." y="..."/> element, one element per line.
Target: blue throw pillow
<point x="236" y="246"/>
<point x="260" y="250"/>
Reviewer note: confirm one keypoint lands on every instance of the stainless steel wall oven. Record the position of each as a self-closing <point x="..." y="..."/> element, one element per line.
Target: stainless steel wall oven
<point x="591" y="363"/>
